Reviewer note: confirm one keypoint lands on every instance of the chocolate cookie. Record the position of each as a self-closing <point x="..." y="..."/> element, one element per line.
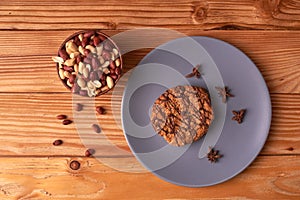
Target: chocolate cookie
<point x="182" y="114"/>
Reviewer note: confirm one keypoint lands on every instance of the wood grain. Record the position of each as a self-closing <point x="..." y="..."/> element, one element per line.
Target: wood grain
<point x="206" y="15"/>
<point x="31" y="96"/>
<point x="51" y="178"/>
<point x="28" y="124"/>
<point x="27" y="58"/>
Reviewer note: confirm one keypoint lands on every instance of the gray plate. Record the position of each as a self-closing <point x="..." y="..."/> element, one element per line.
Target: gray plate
<point x="238" y="143"/>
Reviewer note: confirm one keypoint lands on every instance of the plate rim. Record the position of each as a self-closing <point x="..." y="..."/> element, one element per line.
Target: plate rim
<point x="268" y="113"/>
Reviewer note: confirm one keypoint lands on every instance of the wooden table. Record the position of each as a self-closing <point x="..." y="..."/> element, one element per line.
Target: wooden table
<point x="31" y="96"/>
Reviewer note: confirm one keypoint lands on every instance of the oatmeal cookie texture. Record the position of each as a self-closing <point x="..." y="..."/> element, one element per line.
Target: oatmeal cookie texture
<point x="182" y="114"/>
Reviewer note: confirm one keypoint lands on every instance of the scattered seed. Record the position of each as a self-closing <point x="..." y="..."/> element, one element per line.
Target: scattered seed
<point x="96" y="128"/>
<point x="61" y="117"/>
<point x="100" y="110"/>
<point x="57" y="142"/>
<point x="89" y="152"/>
<point x="78" y="107"/>
<point x="290" y="149"/>
<point x="67" y="122"/>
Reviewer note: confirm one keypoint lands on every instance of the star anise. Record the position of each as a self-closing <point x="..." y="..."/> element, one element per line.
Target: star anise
<point x="239" y="115"/>
<point x="213" y="155"/>
<point x="195" y="72"/>
<point x="224" y="93"/>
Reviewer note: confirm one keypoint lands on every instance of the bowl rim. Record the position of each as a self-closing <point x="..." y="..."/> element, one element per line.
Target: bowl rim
<point x="98" y="31"/>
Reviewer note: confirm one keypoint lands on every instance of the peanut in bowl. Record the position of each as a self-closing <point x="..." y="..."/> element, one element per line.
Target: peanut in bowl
<point x="89" y="63"/>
